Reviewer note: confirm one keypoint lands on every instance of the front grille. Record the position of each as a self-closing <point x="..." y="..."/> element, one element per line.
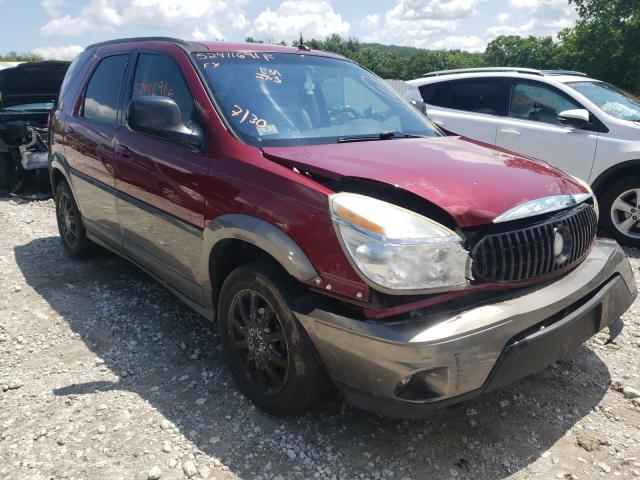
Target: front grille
<point x="526" y="253"/>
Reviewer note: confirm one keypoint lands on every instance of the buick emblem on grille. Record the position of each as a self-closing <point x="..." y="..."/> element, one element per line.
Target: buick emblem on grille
<point x="561" y="243"/>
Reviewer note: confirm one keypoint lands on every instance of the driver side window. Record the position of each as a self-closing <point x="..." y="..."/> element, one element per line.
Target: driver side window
<point x="538" y="102"/>
<point x="158" y="75"/>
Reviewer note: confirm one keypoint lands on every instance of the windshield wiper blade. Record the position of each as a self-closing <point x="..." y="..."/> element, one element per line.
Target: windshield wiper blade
<point x="386" y="135"/>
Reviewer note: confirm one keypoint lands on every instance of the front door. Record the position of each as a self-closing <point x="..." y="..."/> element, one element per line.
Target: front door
<point x="532" y="128"/>
<point x="160" y="183"/>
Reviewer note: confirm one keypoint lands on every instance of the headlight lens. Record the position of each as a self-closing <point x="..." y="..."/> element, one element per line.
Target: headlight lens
<point x="397" y="249"/>
<point x="582" y="182"/>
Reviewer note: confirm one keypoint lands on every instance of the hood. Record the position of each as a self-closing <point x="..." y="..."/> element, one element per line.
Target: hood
<point x="32" y="82"/>
<point x="472" y="181"/>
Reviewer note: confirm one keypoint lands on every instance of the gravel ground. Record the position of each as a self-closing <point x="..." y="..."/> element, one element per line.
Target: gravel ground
<point x="106" y="375"/>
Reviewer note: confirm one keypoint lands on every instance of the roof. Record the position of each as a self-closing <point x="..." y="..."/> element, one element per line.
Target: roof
<point x="532" y="71"/>
<point x="499" y="72"/>
<point x="199" y="46"/>
<point x="265" y="47"/>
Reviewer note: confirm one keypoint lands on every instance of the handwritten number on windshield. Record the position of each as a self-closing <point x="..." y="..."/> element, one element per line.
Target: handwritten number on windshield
<point x="245" y="113"/>
<point x="269" y="74"/>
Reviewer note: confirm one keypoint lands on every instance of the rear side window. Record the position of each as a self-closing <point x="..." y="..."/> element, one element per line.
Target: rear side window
<point x="482" y="95"/>
<point x="427" y="92"/>
<point x="158" y="75"/>
<point x="537" y="102"/>
<point x="103" y="90"/>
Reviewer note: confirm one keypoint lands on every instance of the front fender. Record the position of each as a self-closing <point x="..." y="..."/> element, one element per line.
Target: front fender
<point x="261" y="234"/>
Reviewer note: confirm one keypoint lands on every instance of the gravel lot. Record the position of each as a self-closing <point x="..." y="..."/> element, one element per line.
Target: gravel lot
<point x="106" y="375"/>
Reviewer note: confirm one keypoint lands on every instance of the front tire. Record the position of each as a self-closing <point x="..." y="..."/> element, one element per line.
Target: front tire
<point x="70" y="224"/>
<point x="620" y="211"/>
<point x="268" y="352"/>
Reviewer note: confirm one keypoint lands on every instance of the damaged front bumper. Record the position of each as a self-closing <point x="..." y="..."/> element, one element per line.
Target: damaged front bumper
<point x="35" y="154"/>
<point x="408" y="368"/>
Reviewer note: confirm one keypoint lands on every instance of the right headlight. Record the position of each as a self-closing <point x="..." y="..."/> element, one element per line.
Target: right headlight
<point x="397" y="249"/>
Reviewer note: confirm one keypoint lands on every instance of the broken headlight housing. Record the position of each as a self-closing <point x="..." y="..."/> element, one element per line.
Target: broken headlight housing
<point x="397" y="250"/>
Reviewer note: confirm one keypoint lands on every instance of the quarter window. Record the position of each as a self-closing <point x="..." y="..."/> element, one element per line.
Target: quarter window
<point x="158" y="75"/>
<point x="103" y="90"/>
<point x="531" y="101"/>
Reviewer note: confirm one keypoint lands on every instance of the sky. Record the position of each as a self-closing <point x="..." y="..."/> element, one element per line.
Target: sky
<point x="61" y="28"/>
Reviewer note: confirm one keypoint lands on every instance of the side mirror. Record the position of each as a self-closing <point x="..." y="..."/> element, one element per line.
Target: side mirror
<point x="578" y="118"/>
<point x="161" y="117"/>
<point x="419" y="105"/>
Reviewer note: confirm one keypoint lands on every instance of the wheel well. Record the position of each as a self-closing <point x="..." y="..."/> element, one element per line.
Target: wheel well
<point x="622" y="170"/>
<point x="56" y="178"/>
<point x="229" y="254"/>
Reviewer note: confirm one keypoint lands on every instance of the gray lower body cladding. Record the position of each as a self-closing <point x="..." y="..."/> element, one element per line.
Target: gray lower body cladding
<point x="407" y="369"/>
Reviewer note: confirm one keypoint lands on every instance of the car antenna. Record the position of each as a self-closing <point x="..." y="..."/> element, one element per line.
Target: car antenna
<point x="301" y="45"/>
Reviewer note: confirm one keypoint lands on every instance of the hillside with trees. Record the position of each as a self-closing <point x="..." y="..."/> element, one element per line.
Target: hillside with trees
<point x="605" y="43"/>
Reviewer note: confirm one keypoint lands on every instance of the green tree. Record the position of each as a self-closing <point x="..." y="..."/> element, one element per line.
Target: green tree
<point x="606" y="41"/>
<point x="380" y="62"/>
<point x="516" y="51"/>
<point x="14" y="56"/>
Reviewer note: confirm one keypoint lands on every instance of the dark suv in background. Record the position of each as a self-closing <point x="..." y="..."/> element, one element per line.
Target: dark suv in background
<point x="336" y="234"/>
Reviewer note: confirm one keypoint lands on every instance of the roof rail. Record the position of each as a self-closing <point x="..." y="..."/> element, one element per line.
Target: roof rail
<point x="484" y="70"/>
<point x="181" y="43"/>
<point x="563" y="72"/>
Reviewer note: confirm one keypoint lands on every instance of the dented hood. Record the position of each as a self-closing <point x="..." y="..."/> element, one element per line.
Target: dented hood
<point x="472" y="181"/>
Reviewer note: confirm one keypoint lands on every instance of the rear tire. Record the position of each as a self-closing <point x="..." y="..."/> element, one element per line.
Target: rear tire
<point x="620" y="211"/>
<point x="267" y="351"/>
<point x="70" y="224"/>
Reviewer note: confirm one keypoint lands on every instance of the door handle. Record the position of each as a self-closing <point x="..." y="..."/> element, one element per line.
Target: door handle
<point x="69" y="133"/>
<point x="123" y="151"/>
<point x="510" y="131"/>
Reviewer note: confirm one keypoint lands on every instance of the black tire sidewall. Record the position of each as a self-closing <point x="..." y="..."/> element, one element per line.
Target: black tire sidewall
<point x="606" y="202"/>
<point x="307" y="385"/>
<point x="80" y="248"/>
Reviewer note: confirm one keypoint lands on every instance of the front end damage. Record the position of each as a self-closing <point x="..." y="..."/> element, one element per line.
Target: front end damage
<point x="410" y="365"/>
<point x="27" y="94"/>
<point x="23" y="155"/>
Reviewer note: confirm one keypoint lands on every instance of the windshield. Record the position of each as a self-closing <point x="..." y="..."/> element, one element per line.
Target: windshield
<point x="279" y="99"/>
<point x="612" y="100"/>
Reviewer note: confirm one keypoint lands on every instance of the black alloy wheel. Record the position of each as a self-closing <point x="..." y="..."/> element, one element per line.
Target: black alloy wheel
<point x="257" y="338"/>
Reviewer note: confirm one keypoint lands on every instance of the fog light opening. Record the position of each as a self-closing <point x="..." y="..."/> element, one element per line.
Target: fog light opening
<point x="424" y="385"/>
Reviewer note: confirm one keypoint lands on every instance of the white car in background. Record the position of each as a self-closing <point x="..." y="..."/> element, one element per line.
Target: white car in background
<point x="588" y="128"/>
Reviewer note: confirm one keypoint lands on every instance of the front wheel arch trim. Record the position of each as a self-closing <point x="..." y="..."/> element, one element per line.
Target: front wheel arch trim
<point x="262" y="235"/>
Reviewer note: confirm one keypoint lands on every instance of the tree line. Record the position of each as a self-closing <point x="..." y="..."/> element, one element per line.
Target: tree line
<point x="605" y="44"/>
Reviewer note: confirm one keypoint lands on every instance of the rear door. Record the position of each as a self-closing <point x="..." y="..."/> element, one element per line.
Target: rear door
<point x="469" y="107"/>
<point x="532" y="128"/>
<point x="160" y="183"/>
<point x="90" y="136"/>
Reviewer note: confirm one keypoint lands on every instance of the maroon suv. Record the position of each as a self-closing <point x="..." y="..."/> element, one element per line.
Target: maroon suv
<point x="337" y="235"/>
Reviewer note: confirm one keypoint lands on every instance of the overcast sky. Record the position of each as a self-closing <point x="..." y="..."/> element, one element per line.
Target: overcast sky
<point x="61" y="28"/>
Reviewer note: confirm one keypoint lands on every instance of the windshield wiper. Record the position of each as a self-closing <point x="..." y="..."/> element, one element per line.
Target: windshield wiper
<point x="386" y="135"/>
